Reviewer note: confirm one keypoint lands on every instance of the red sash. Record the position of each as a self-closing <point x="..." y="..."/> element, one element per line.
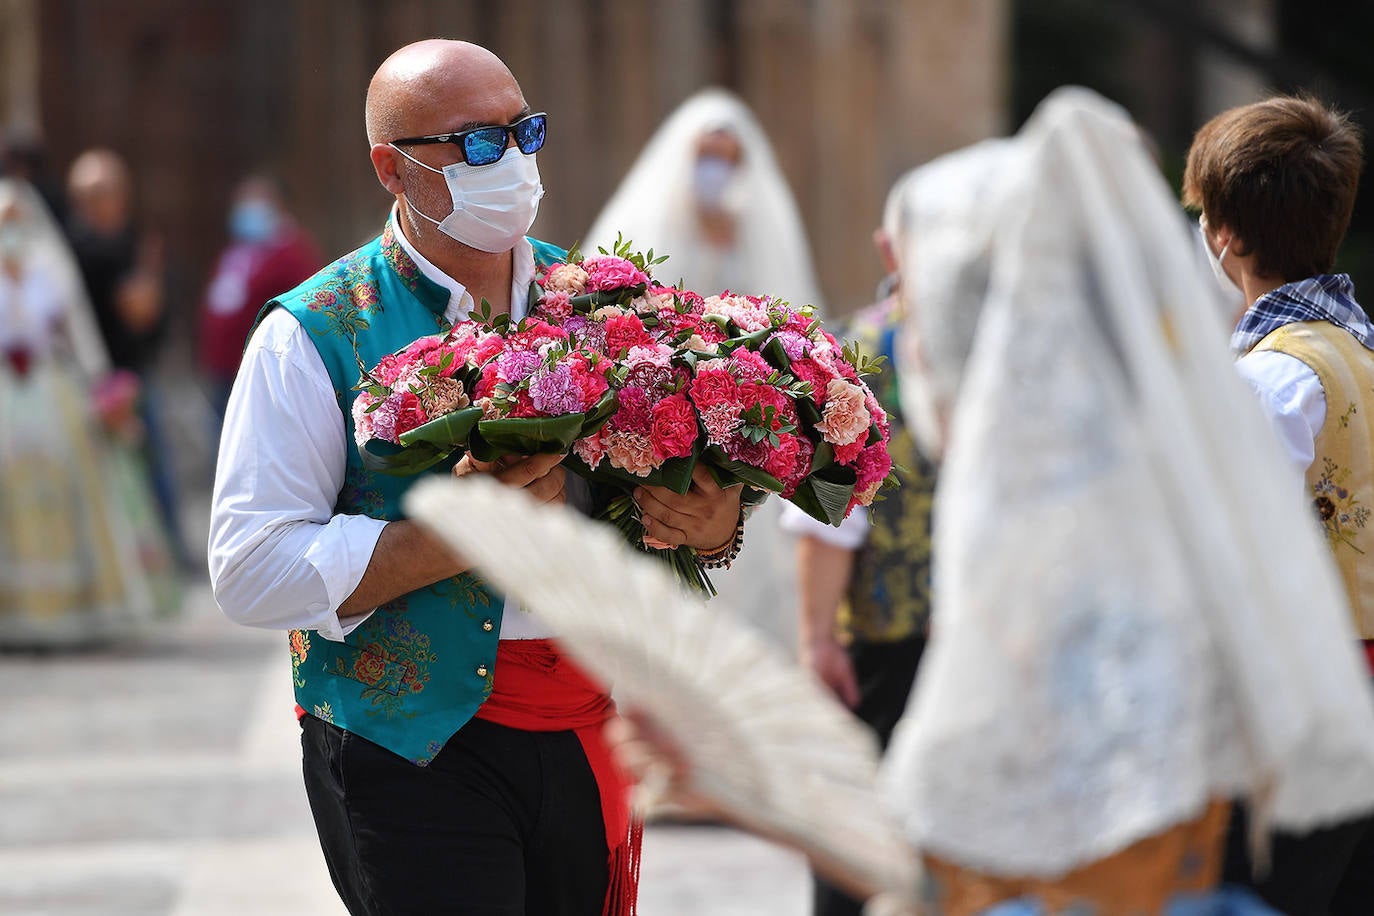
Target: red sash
<point x="538" y="688"/>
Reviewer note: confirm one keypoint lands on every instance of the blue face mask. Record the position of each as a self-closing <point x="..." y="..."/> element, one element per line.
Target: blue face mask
<point x="253" y="221"/>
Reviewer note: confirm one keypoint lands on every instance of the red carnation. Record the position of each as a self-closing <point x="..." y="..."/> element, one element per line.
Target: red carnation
<point x="624" y="332"/>
<point x="409" y="413"/>
<point x="712" y="388"/>
<point x="674" y="428"/>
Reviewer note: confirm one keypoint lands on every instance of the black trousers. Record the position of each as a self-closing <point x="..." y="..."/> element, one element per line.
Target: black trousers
<point x="1327" y="872"/>
<point x="503" y="822"/>
<point x="885" y="671"/>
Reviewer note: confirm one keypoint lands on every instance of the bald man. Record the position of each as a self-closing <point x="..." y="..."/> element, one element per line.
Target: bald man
<point x="453" y="758"/>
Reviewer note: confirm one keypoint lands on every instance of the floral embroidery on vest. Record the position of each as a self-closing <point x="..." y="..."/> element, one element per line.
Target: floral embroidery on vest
<point x="345" y="296"/>
<point x="392" y="661"/>
<point x="1338" y="508"/>
<point x="406" y="269"/>
<point x="300" y="647"/>
<point x="323" y="712"/>
<point x="357" y="497"/>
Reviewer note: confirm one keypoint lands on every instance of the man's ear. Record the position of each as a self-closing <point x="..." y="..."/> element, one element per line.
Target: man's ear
<point x="386" y="162"/>
<point x="883" y="242"/>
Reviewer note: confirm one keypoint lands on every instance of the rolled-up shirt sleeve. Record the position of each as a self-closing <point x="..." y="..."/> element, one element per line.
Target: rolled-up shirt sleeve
<point x="279" y="556"/>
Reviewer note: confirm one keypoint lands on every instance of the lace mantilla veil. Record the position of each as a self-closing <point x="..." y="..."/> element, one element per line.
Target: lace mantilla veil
<point x="1134" y="610"/>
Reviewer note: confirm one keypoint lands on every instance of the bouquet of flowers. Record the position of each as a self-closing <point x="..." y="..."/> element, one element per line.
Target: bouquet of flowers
<point x="493" y="388"/>
<point x="639" y="383"/>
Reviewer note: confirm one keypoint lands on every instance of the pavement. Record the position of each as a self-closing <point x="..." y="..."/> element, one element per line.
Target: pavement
<point x="162" y="778"/>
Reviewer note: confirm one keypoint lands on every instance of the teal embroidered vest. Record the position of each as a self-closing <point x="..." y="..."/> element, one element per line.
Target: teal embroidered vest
<point x="419" y="667"/>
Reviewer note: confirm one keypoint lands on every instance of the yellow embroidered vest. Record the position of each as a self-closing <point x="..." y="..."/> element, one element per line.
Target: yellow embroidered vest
<point x="1341" y="477"/>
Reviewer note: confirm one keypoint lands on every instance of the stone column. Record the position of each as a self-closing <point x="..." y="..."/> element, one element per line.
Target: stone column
<point x="19" y="109"/>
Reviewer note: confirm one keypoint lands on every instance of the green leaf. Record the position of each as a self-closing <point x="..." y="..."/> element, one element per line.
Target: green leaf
<point x="382" y="457"/>
<point x="528" y="435"/>
<point x="450" y="431"/>
<point x="739" y="472"/>
<point x="825" y="494"/>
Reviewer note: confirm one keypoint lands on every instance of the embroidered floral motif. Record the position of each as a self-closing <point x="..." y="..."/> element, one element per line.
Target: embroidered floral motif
<point x="1344" y="419"/>
<point x="323" y="712"/>
<point x="300" y="647"/>
<point x="1340" y="510"/>
<point x="431" y="751"/>
<point x="345" y="298"/>
<point x="397" y="259"/>
<point x="359" y="495"/>
<point x="467" y="593"/>
<point x="392" y="662"/>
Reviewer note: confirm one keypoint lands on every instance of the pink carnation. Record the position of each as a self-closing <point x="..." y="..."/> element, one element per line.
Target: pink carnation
<point x="607" y="272"/>
<point x="556" y="306"/>
<point x="591" y="449"/>
<point x="805" y="452"/>
<point x="845" y="418"/>
<point x="808" y="370"/>
<point x="674" y="429"/>
<point x="871" y="469"/>
<point x="783" y="459"/>
<point x="631" y="452"/>
<point x="590" y="378"/>
<point x="634" y="411"/>
<point x="749" y="366"/>
<point x="720" y="421"/>
<point x="488" y="346"/>
<point x="848" y="454"/>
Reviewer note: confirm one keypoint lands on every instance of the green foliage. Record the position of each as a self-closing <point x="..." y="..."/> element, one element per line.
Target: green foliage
<point x="862" y="362"/>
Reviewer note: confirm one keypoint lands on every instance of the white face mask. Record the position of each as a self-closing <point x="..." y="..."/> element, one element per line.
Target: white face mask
<point x="1231" y="291"/>
<point x="493" y="205"/>
<point x="710" y="179"/>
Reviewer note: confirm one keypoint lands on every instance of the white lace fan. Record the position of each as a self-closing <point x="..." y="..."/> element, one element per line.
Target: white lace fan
<point x="765" y="740"/>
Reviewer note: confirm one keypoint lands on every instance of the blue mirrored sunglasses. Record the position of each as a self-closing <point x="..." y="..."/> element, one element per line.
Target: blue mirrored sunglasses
<point x="485" y="145"/>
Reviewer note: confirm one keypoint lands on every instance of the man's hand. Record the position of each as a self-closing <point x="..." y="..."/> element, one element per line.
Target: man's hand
<point x="538" y="475"/>
<point x="704" y="517"/>
<point x="832" y="664"/>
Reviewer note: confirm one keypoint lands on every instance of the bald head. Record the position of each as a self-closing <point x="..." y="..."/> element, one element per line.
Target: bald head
<point x="100" y="189"/>
<point x="437" y="85"/>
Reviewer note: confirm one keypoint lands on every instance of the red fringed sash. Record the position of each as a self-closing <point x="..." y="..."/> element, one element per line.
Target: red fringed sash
<point x="538" y="688"/>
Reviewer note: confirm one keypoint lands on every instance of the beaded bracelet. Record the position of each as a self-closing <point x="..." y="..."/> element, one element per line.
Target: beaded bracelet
<point x="722" y="557"/>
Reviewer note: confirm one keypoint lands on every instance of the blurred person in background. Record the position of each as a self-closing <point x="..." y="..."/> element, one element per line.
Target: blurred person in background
<point x="1275" y="183"/>
<point x="82" y="555"/>
<point x="24" y="157"/>
<point x="707" y="192"/>
<point x="268" y="253"/>
<point x="122" y="267"/>
<point x="863" y="589"/>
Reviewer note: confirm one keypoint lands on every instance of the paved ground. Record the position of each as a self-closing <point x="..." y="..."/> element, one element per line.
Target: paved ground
<point x="163" y="778"/>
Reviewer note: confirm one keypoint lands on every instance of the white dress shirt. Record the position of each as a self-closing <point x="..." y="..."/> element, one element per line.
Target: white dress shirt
<point x="850" y="534"/>
<point x="279" y="557"/>
<point x="1291" y="395"/>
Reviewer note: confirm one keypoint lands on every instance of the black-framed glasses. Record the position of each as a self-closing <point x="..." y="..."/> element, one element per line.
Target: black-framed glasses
<point x="485" y="145"/>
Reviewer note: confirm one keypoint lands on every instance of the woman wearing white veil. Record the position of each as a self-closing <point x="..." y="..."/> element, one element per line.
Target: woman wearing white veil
<point x="1114" y="652"/>
<point x="82" y="558"/>
<point x="708" y="192"/>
